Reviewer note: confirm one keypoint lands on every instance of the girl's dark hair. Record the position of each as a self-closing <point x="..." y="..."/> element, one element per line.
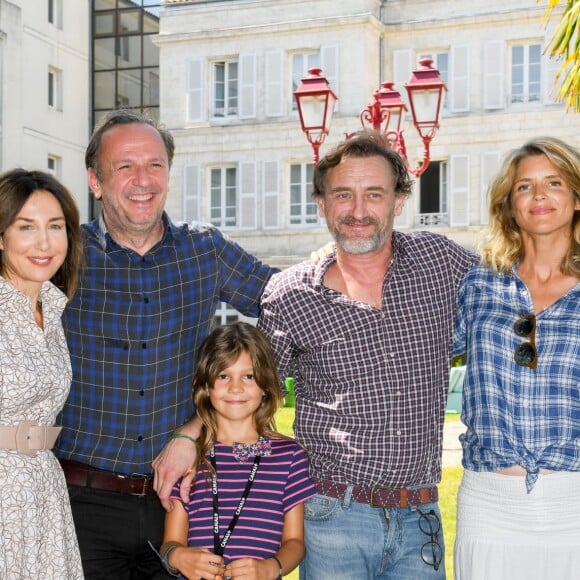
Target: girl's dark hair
<point x="16" y="187"/>
<point x="220" y="350"/>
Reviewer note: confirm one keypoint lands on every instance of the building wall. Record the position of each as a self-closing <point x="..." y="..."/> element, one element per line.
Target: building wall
<point x="31" y="129"/>
<point x="372" y="41"/>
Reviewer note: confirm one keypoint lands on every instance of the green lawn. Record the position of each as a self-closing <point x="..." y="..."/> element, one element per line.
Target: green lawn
<point x="447" y="491"/>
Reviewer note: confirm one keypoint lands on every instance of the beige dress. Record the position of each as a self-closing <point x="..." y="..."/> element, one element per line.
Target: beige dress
<point x="37" y="535"/>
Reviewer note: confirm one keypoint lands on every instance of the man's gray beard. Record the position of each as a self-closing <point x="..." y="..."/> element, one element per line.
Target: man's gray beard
<point x="360" y="246"/>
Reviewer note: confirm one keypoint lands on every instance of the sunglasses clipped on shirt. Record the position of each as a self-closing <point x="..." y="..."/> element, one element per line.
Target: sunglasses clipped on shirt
<point x="526" y="354"/>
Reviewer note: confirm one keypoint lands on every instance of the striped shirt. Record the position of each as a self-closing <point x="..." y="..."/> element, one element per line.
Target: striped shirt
<point x="518" y="415"/>
<point x="281" y="483"/>
<point x="134" y="328"/>
<point x="370" y="384"/>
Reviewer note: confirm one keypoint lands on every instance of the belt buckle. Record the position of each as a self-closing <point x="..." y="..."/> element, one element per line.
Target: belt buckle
<point x="145" y="480"/>
<point x="376" y="489"/>
<point x="23" y="436"/>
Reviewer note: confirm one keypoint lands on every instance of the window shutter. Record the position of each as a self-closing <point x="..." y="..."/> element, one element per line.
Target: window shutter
<point x="493" y="77"/>
<point x="402" y="68"/>
<point x="247" y="189"/>
<point x="329" y="66"/>
<point x="490" y="161"/>
<point x="194" y="90"/>
<point x="191" y="188"/>
<point x="275" y="97"/>
<point x="247" y="86"/>
<point x="459" y="79"/>
<point x="271" y="205"/>
<point x="459" y="188"/>
<point x="550" y="68"/>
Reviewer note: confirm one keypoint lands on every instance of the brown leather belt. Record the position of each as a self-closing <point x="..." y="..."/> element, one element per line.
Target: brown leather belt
<point x="83" y="475"/>
<point x="379" y="496"/>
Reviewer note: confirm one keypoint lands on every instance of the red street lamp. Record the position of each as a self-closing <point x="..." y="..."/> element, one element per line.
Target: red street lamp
<point x="385" y="114"/>
<point x="315" y="101"/>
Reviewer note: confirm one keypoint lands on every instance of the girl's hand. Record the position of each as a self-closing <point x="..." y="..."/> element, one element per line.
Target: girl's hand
<point x="197" y="563"/>
<point x="252" y="569"/>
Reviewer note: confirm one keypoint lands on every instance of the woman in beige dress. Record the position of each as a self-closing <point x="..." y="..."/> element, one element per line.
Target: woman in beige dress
<point x="40" y="255"/>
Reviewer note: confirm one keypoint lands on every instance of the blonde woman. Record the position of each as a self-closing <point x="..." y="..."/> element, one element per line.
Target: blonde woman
<point x="518" y="513"/>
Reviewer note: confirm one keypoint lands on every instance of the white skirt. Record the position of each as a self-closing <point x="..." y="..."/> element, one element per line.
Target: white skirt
<point x="504" y="533"/>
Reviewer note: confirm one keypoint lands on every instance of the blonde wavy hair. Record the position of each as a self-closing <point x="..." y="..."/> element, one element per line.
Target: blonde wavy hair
<point x="501" y="245"/>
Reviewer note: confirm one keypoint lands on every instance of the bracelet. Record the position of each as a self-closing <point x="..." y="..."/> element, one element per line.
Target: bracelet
<point x="183" y="436"/>
<point x="279" y="566"/>
<point x="165" y="560"/>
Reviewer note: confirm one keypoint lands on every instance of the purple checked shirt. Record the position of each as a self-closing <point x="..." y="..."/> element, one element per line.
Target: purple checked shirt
<point x="370" y="384"/>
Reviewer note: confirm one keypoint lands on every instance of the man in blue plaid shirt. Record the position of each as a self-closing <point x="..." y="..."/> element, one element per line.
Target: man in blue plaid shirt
<point x="146" y="300"/>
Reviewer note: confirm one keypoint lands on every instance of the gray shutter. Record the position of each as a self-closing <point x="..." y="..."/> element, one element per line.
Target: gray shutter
<point x="191" y="197"/>
<point x="459" y="79"/>
<point x="274" y="81"/>
<point x="490" y="161"/>
<point x="194" y="90"/>
<point x="493" y="75"/>
<point x="247" y="86"/>
<point x="329" y="66"/>
<point x="459" y="189"/>
<point x="271" y="205"/>
<point x="247" y="196"/>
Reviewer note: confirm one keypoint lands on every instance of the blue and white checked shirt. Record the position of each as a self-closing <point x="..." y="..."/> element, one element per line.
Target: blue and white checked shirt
<point x="371" y="383"/>
<point x="517" y="415"/>
<point x="134" y="329"/>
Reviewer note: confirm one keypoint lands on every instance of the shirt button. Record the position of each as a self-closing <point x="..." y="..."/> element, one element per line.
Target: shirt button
<point x="144" y="345"/>
<point x="140" y="438"/>
<point x="398" y="393"/>
<point x="142" y="393"/>
<point x="398" y="431"/>
<point x="526" y="403"/>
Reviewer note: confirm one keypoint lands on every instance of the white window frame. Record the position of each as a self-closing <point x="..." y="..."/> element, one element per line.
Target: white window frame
<point x="54" y="86"/>
<point x="218" y="213"/>
<point x="54" y="165"/>
<point x="300" y="63"/>
<point x="303" y="218"/>
<point x="526" y="70"/>
<point x="231" y="97"/>
<point x="54" y="16"/>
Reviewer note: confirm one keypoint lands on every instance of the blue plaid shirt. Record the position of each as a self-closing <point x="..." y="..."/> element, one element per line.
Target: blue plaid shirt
<point x="134" y="328"/>
<point x="518" y="415"/>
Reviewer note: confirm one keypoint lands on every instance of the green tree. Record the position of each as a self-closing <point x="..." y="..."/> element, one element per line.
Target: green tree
<point x="565" y="45"/>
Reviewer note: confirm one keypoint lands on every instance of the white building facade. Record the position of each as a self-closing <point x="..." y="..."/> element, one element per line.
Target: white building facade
<point x="228" y="69"/>
<point x="44" y="89"/>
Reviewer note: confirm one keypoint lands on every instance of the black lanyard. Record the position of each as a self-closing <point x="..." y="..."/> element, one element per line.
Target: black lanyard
<point x="220" y="547"/>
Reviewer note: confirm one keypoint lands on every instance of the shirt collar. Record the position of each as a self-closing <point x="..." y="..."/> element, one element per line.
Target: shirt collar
<point x="102" y="234"/>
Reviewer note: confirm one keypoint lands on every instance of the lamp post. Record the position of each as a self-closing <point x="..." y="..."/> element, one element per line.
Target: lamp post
<point x="386" y="111"/>
<point x="315" y="101"/>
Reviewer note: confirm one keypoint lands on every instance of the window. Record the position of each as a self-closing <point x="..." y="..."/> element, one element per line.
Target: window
<point x="55" y="12"/>
<point x="225" y="314"/>
<point x="433" y="209"/>
<point x="441" y="63"/>
<point x="223" y="209"/>
<point x="55" y="89"/>
<point x="300" y="65"/>
<point x="225" y="89"/>
<point x="53" y="165"/>
<point x="303" y="209"/>
<point x="526" y="73"/>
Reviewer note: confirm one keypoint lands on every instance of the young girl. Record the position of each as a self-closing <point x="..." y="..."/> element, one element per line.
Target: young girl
<point x="245" y="515"/>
